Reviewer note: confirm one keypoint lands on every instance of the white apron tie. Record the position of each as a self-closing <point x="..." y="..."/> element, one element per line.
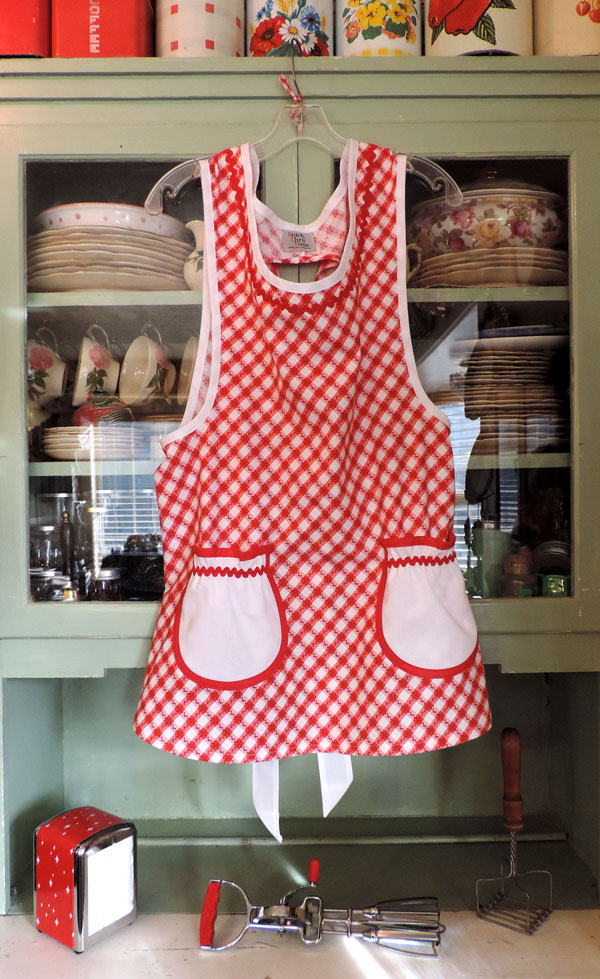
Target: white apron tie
<point x="335" y="774"/>
<point x="265" y="794"/>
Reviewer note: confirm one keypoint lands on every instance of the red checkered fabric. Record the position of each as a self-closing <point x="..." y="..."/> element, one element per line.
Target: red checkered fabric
<point x="317" y="448"/>
<point x="329" y="234"/>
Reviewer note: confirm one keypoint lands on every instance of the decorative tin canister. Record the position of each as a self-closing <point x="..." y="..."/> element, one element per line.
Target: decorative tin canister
<point x="382" y="27"/>
<point x="566" y="27"/>
<point x="25" y="28"/>
<point x="196" y="29"/>
<point x="85" y="876"/>
<point x="478" y="27"/>
<point x="275" y="25"/>
<point x="102" y="29"/>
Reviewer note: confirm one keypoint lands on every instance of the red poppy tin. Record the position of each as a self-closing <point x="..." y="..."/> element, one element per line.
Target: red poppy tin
<point x="25" y="29"/>
<point x="102" y="29"/>
<point x="85" y="876"/>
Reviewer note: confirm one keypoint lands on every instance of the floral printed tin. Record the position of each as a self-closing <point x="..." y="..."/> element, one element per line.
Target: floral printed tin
<point x="275" y="26"/>
<point x="478" y="27"/>
<point x="378" y="27"/>
<point x="566" y="27"/>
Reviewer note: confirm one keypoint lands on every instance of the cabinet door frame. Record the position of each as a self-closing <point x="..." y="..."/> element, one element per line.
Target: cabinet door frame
<point x="164" y="112"/>
<point x="82" y="633"/>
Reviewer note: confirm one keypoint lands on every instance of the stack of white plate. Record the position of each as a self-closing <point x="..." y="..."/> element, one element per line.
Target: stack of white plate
<point x="508" y="385"/>
<point x="510" y="265"/>
<point x="81" y="442"/>
<point x="106" y="246"/>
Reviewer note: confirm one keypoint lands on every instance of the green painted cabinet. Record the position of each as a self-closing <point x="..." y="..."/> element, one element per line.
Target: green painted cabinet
<point x="71" y="670"/>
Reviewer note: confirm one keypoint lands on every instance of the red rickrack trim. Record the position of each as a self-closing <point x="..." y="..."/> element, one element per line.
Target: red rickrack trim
<point x="423" y="559"/>
<point x="213" y="572"/>
<point x="419" y="540"/>
<point x="234" y="550"/>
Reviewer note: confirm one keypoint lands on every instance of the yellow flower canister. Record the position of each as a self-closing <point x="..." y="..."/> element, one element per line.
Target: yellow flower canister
<point x="378" y="27"/>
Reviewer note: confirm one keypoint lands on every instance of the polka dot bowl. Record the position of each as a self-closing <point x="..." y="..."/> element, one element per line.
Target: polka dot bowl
<point x="99" y="215"/>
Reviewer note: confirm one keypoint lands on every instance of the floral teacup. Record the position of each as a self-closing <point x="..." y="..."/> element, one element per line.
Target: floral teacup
<point x="146" y="370"/>
<point x="98" y="369"/>
<point x="46" y="370"/>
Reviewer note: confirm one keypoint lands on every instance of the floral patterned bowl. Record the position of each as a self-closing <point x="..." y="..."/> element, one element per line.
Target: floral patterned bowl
<point x="491" y="215"/>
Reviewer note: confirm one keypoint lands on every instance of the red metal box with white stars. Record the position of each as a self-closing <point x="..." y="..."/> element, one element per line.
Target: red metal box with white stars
<point x="85" y="876"/>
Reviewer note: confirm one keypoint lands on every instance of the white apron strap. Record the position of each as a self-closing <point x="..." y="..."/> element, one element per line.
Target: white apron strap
<point x="335" y="772"/>
<point x="265" y="794"/>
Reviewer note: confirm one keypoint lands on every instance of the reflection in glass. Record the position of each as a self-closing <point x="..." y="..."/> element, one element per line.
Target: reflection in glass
<point x="504" y="382"/>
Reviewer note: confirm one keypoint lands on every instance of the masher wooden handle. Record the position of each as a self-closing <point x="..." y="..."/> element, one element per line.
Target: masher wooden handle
<point x="512" y="803"/>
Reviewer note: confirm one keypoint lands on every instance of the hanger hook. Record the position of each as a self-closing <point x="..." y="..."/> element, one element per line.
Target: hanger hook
<point x="294" y="50"/>
<point x="294" y="92"/>
<point x="297" y="113"/>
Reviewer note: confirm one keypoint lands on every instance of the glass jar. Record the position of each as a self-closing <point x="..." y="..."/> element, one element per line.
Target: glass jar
<point x="39" y="584"/>
<point x="44" y="551"/>
<point x="47" y="585"/>
<point x="105" y="586"/>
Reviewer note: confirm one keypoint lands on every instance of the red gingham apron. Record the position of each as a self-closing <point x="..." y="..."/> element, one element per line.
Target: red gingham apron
<point x="313" y="601"/>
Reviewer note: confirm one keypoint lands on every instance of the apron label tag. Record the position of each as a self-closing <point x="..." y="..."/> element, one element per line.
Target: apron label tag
<point x="298" y="241"/>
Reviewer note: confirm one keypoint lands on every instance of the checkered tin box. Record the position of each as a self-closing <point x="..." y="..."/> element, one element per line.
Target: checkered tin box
<point x="85" y="876"/>
<point x="200" y="29"/>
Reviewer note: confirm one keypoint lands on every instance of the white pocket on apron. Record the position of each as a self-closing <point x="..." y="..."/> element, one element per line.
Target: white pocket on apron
<point x="424" y="621"/>
<point x="230" y="630"/>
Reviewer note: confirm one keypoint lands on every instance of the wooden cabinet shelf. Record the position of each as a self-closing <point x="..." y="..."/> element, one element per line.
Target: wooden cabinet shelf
<point x="110" y="297"/>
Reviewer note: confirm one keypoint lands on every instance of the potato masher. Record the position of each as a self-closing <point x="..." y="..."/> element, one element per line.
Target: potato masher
<point x="521" y="900"/>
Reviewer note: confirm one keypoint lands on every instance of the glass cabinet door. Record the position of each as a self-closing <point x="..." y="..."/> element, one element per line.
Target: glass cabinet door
<point x="114" y="299"/>
<point x="490" y="324"/>
<point x="111" y="340"/>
